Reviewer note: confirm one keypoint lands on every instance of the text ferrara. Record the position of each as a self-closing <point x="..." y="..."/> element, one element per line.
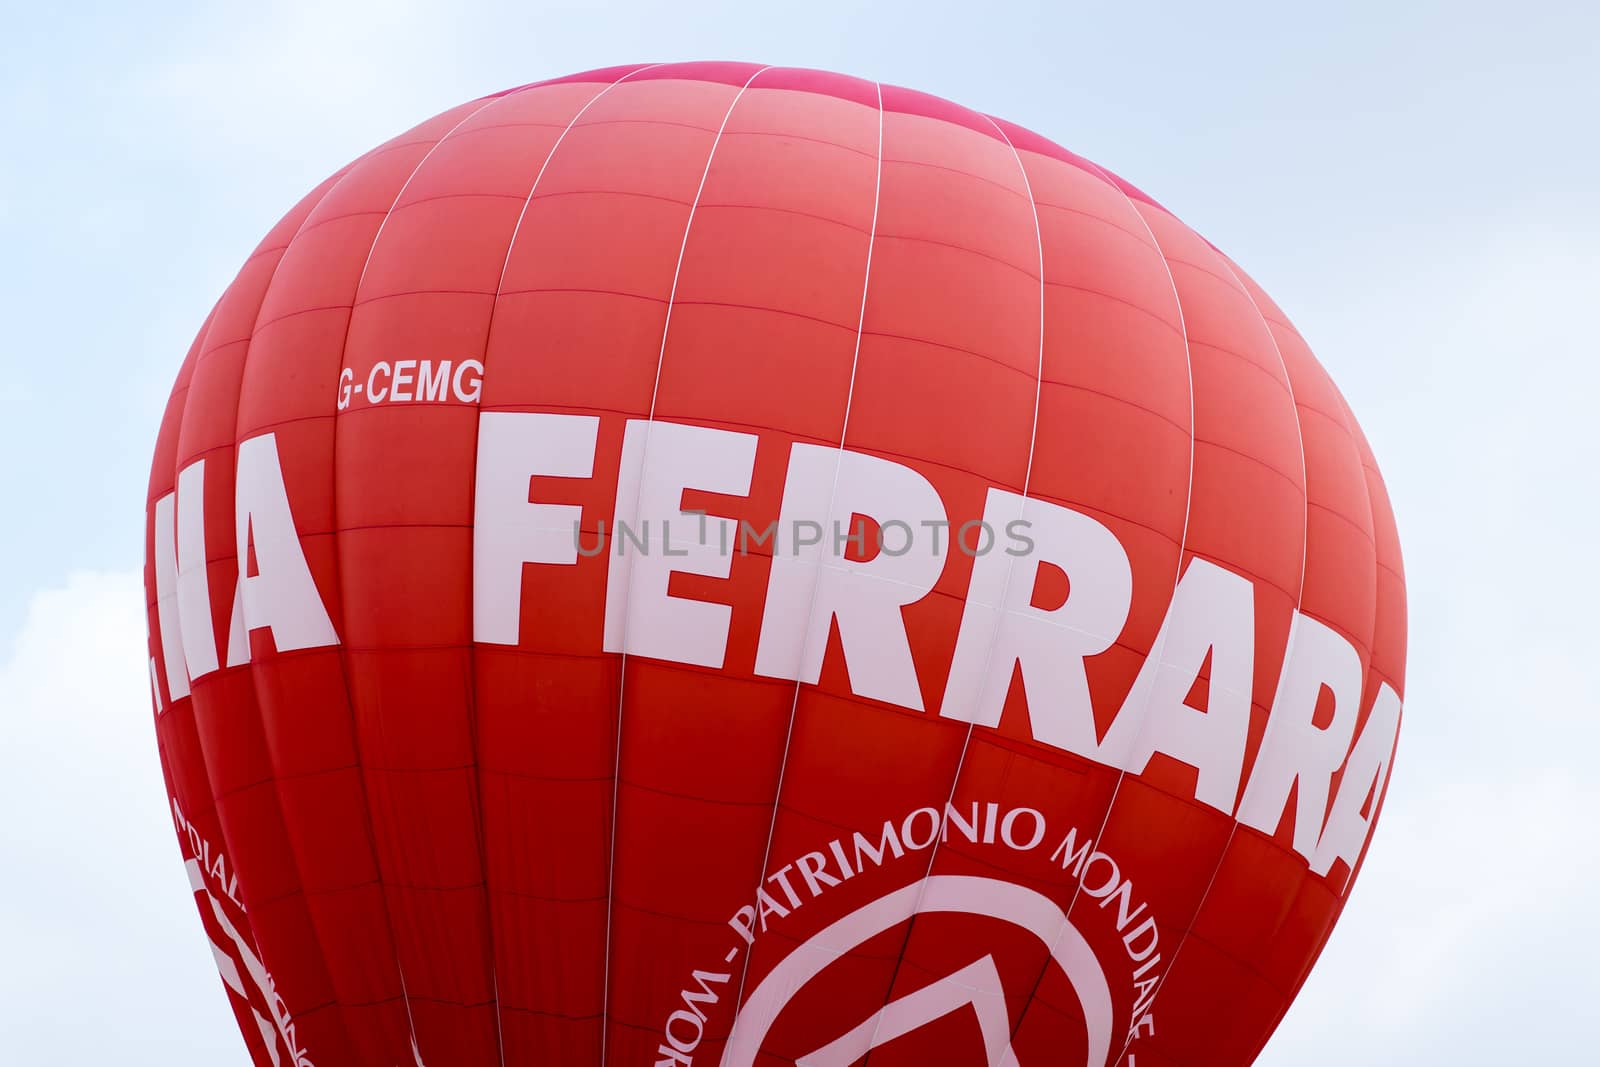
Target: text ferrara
<point x="816" y="584"/>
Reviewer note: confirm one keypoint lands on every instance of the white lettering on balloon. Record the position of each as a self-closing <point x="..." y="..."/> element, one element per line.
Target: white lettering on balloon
<point x="816" y="585"/>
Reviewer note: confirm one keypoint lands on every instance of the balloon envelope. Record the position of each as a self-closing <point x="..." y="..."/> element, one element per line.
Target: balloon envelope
<point x="719" y="564"/>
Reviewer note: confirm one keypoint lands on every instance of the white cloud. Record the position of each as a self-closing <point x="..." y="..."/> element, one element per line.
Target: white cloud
<point x="1458" y="945"/>
<point x="293" y="78"/>
<point x="1464" y="941"/>
<point x="107" y="961"/>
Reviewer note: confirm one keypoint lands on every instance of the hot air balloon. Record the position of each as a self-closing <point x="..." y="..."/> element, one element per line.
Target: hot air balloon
<point x="713" y="564"/>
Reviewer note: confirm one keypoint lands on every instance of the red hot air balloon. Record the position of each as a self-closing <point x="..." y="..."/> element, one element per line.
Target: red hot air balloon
<point x="713" y="564"/>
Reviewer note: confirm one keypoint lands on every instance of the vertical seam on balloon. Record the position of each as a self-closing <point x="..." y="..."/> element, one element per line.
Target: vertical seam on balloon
<point x="855" y="359"/>
<point x="644" y="456"/>
<point x="1348" y="417"/>
<point x="1005" y="590"/>
<point x="1305" y="532"/>
<point x="207" y="916"/>
<point x="199" y="751"/>
<point x="294" y="851"/>
<point x="1299" y="427"/>
<point x="333" y="463"/>
<point x="1377" y="594"/>
<point x="199" y="352"/>
<point x="1159" y="647"/>
<point x="472" y="677"/>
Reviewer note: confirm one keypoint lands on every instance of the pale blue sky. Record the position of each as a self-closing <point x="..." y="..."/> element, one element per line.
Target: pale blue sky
<point x="1414" y="184"/>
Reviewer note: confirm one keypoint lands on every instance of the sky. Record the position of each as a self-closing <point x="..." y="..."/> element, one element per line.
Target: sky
<point x="1414" y="184"/>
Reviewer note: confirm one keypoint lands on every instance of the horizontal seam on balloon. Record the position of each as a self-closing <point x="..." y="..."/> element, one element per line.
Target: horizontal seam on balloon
<point x="1060" y="760"/>
<point x="237" y="790"/>
<point x="1245" y="964"/>
<point x="1232" y="284"/>
<point x="728" y="205"/>
<point x="269" y="427"/>
<point x="438" y="1000"/>
<point x="959" y="172"/>
<point x="1365" y="534"/>
<point x="693" y="797"/>
<point x="395" y="146"/>
<point x="794" y="809"/>
<point x="321" y="892"/>
<point x="1069" y="209"/>
<point x="641" y="1027"/>
<point x="674" y="666"/>
<point x="257" y="254"/>
<point x="434" y="198"/>
<point x="647" y="297"/>
<point x="786" y="136"/>
<point x="394" y="998"/>
<point x="618" y="902"/>
<point x="1114" y="298"/>
<point x="768" y="310"/>
<point x="304" y="1013"/>
<point x="645" y="1028"/>
<point x="996" y="360"/>
<point x="1363" y="648"/>
<point x="364" y="301"/>
<point x="531" y="776"/>
<point x="1257" y="460"/>
<point x="885" y="235"/>
<point x="422" y="888"/>
<point x="549" y="898"/>
<point x="1221" y="561"/>
<point x="398" y="770"/>
<point x="339" y="218"/>
<point x="1048" y="496"/>
<point x="1295" y="333"/>
<point x="309" y="893"/>
<point x="367" y="527"/>
<point x="1337" y="422"/>
<point x="315" y="772"/>
<point x="1210" y="346"/>
<point x="575" y="1017"/>
<point x="300" y="311"/>
<point x="632" y="193"/>
<point x="1116" y="399"/>
<point x="211" y="351"/>
<point x="591" y="124"/>
<point x="1386" y="678"/>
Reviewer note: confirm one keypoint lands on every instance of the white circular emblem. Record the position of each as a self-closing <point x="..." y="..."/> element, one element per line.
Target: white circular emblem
<point x="977" y="984"/>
